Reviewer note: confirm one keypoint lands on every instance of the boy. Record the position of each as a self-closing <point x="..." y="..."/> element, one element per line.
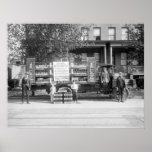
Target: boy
<point x="53" y="90"/>
<point x="74" y="88"/>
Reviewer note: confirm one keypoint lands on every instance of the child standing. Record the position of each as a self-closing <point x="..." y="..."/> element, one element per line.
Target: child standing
<point x="53" y="90"/>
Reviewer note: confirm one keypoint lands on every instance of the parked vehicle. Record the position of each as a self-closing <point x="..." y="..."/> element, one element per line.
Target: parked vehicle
<point x="42" y="74"/>
<point x="111" y="88"/>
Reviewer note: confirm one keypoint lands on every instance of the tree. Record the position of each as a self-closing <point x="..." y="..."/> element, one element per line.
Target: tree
<point x="16" y="33"/>
<point x="135" y="46"/>
<point x="46" y="42"/>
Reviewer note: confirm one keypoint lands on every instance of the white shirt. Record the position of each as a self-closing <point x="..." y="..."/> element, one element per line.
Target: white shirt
<point x="53" y="89"/>
<point x="74" y="86"/>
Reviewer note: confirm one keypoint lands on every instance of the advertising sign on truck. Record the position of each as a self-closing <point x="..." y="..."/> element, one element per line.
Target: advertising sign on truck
<point x="91" y="69"/>
<point x="61" y="71"/>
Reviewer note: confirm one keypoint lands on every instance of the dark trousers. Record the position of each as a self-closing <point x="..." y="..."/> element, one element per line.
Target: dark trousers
<point x="75" y="96"/>
<point x="121" y="93"/>
<point x="25" y="92"/>
<point x="105" y="87"/>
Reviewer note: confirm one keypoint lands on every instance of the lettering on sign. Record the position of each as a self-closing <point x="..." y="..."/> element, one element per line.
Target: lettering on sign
<point x="91" y="69"/>
<point x="61" y="71"/>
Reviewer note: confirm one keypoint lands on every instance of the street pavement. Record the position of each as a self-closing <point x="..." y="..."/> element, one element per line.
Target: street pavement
<point x="106" y="113"/>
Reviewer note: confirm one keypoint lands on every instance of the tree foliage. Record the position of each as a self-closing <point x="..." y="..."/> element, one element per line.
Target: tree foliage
<point x="50" y="41"/>
<point x="136" y="43"/>
<point x="15" y="36"/>
<point x="44" y="42"/>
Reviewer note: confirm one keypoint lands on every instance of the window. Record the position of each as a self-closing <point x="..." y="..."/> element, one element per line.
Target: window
<point x="112" y="33"/>
<point x="124" y="32"/>
<point x="90" y="54"/>
<point x="97" y="33"/>
<point x="85" y="33"/>
<point x="123" y="58"/>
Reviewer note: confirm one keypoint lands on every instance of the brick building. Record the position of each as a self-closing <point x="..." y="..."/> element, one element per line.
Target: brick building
<point x="106" y="43"/>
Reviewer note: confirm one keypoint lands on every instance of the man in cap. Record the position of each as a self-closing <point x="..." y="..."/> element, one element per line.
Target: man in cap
<point x="121" y="86"/>
<point x="25" y="87"/>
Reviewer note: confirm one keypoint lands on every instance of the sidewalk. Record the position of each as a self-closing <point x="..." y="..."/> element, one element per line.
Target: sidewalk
<point x="134" y="94"/>
<point x="129" y="103"/>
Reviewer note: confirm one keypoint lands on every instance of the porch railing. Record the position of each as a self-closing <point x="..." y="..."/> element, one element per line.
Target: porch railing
<point x="134" y="70"/>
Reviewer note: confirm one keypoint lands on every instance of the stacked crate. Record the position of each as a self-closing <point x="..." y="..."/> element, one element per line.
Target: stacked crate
<point x="63" y="97"/>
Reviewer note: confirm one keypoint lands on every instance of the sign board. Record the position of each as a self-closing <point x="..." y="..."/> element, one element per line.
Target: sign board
<point x="61" y="71"/>
<point x="30" y="67"/>
<point x="15" y="71"/>
<point x="91" y="69"/>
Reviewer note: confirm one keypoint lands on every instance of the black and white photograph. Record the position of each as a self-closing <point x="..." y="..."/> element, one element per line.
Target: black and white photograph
<point x="75" y="76"/>
<point x="69" y="75"/>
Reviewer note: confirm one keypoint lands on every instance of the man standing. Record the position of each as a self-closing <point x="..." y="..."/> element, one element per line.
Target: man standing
<point x="105" y="79"/>
<point x="121" y="86"/>
<point x="74" y="88"/>
<point x="25" y="87"/>
<point x="53" y="90"/>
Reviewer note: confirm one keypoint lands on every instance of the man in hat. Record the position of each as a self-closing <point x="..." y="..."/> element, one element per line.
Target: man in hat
<point x="25" y="87"/>
<point x="121" y="86"/>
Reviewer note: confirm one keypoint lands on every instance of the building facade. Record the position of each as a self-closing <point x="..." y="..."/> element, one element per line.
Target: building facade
<point x="106" y="43"/>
